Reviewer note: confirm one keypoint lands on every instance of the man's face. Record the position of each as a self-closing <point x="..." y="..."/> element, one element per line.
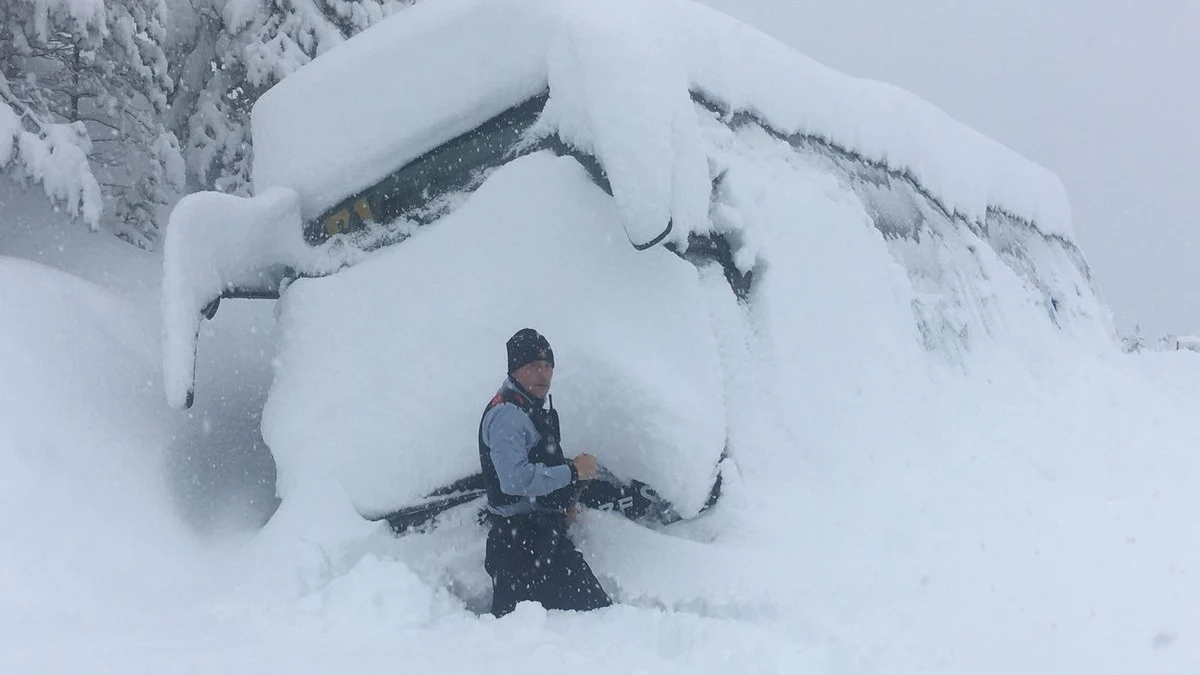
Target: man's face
<point x="535" y="376"/>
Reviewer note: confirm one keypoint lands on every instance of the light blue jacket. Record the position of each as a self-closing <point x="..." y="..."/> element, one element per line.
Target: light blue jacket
<point x="509" y="435"/>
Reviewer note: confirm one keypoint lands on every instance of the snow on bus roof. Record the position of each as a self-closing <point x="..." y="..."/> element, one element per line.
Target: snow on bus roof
<point x="619" y="77"/>
<point x="356" y="113"/>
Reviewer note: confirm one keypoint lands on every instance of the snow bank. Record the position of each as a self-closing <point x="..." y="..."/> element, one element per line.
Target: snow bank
<point x="1019" y="483"/>
<point x="34" y="230"/>
<point x="215" y="243"/>
<point x="617" y="81"/>
<point x="384" y="369"/>
<point x="86" y="524"/>
<point x="830" y="303"/>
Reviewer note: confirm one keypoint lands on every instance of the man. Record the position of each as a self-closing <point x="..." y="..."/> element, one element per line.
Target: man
<point x="531" y="488"/>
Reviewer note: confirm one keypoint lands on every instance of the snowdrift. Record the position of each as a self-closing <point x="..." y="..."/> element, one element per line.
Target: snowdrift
<point x="939" y="461"/>
<point x="87" y="520"/>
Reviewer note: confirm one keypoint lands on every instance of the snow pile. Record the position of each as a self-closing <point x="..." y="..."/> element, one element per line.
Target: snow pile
<point x="384" y="369"/>
<point x="828" y="292"/>
<point x="34" y="230"/>
<point x="85" y="520"/>
<point x="966" y="290"/>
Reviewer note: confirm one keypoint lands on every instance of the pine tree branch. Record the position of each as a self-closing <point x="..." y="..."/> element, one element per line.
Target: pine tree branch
<point x="50" y="50"/>
<point x="84" y="118"/>
<point x="12" y="99"/>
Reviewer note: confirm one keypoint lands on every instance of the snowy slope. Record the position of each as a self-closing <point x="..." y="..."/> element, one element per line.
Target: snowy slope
<point x="87" y="516"/>
<point x="994" y="522"/>
<point x="35" y="231"/>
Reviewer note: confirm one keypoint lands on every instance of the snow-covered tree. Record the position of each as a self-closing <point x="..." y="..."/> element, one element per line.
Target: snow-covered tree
<point x="1134" y="343"/>
<point x="93" y="110"/>
<point x="211" y="110"/>
<point x="239" y="49"/>
<point x="87" y="82"/>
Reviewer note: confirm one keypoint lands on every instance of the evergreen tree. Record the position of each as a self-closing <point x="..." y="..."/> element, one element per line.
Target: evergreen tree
<point x="88" y="84"/>
<point x="90" y="108"/>
<point x="239" y="49"/>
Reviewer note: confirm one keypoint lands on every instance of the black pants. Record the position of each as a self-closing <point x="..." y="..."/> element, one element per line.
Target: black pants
<point x="530" y="557"/>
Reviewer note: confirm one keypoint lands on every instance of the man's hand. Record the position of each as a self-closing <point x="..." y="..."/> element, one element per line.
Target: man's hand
<point x="585" y="466"/>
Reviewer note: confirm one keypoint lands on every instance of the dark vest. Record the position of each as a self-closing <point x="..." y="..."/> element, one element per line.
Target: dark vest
<point x="547" y="451"/>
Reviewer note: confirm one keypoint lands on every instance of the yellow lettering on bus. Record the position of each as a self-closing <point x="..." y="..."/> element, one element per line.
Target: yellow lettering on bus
<point x="337" y="222"/>
<point x="363" y="209"/>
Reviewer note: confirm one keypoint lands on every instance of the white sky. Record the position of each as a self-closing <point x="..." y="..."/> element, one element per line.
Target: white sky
<point x="1103" y="93"/>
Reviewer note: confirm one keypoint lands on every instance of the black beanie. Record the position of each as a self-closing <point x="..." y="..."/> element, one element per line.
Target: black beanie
<point x="526" y="346"/>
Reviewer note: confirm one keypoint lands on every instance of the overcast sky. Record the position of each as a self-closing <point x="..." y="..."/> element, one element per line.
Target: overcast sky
<point x="1106" y="93"/>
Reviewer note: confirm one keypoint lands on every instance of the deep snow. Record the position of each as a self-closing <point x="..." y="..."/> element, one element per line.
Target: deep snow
<point x="1012" y="494"/>
<point x="887" y="515"/>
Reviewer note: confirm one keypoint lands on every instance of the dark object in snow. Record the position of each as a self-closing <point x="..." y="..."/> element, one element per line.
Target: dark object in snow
<point x="530" y="557"/>
<point x="529" y="553"/>
<point x="635" y="500"/>
<point x="417" y="515"/>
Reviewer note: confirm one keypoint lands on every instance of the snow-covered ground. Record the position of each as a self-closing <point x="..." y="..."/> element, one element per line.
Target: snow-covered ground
<point x="888" y="516"/>
<point x="940" y="461"/>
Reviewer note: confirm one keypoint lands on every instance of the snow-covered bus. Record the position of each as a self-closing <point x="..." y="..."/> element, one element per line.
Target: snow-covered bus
<point x="651" y="185"/>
